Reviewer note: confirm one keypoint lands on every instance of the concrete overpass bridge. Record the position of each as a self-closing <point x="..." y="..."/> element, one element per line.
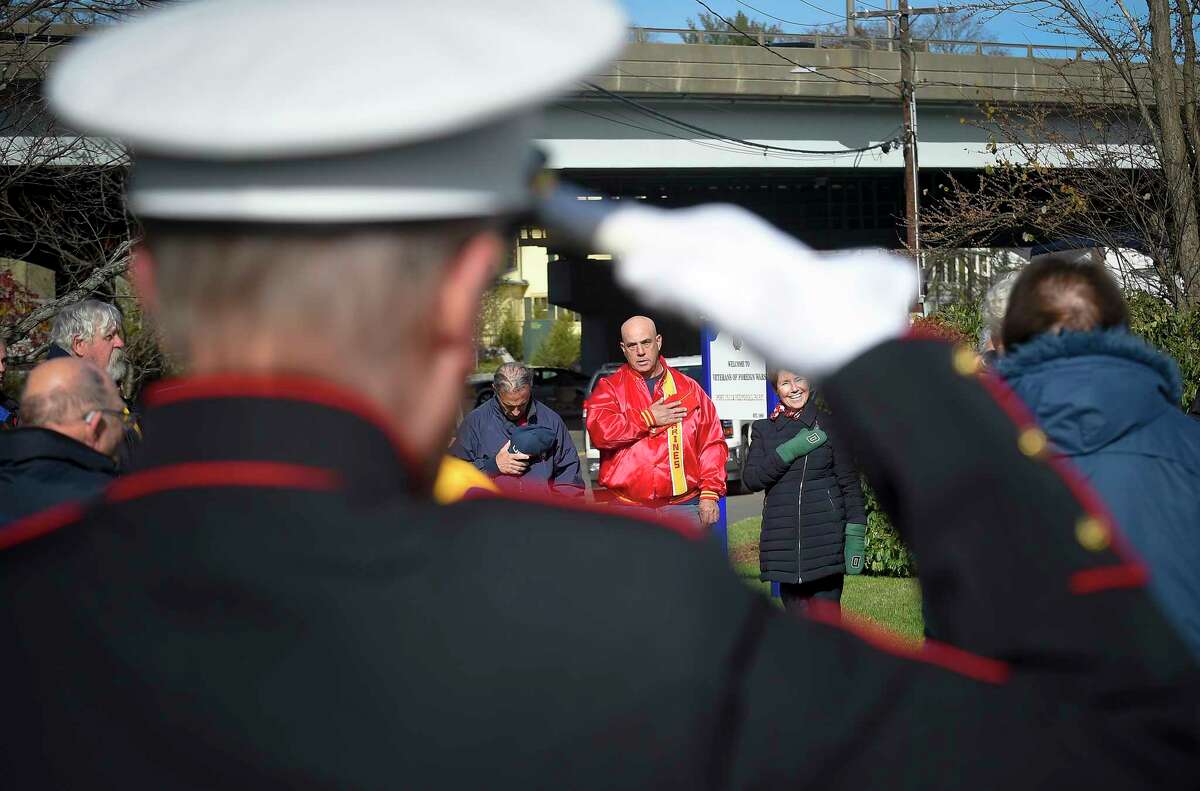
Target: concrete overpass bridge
<point x="803" y="130"/>
<point x="800" y="129"/>
<point x="832" y="99"/>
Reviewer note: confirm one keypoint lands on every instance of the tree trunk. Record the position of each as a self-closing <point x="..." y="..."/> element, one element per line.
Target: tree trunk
<point x="1175" y="156"/>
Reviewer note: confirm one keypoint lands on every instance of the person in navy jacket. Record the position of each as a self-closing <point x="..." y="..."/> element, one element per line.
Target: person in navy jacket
<point x="1109" y="402"/>
<point x="519" y="442"/>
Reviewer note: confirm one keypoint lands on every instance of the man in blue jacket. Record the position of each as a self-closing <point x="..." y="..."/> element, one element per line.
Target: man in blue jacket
<point x="1109" y="402"/>
<point x="519" y="442"/>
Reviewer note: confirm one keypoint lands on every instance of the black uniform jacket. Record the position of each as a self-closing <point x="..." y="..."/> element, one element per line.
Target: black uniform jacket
<point x="808" y="502"/>
<point x="40" y="468"/>
<point x="260" y="605"/>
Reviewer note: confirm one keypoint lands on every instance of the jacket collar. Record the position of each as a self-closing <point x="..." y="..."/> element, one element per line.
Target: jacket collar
<point x="282" y="420"/>
<point x="1113" y="343"/>
<point x="1090" y="389"/>
<point x="808" y="412"/>
<point x="531" y="416"/>
<point x="34" y="443"/>
<point x="633" y="375"/>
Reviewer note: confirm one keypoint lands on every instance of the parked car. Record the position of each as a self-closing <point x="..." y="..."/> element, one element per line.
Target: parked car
<point x="737" y="432"/>
<point x="561" y="389"/>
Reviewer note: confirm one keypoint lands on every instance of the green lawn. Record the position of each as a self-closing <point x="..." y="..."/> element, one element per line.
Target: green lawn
<point x="894" y="604"/>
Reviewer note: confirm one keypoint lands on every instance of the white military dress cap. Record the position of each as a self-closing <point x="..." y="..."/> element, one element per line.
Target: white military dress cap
<point x="307" y="111"/>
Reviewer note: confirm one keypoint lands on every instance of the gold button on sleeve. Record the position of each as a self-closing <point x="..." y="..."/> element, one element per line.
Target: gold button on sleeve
<point x="1091" y="534"/>
<point x="966" y="361"/>
<point x="1032" y="442"/>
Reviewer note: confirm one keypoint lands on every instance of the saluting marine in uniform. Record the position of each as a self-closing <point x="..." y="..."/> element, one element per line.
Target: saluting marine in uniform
<point x="271" y="600"/>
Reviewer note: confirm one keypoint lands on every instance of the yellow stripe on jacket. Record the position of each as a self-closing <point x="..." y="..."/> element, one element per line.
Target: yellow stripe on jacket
<point x="675" y="444"/>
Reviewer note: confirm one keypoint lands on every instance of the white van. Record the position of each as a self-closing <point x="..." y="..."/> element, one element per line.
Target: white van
<point x="737" y="432"/>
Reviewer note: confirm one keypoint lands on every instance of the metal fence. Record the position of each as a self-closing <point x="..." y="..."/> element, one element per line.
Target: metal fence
<point x="792" y="41"/>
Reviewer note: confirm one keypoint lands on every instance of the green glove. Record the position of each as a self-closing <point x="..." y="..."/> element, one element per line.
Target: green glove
<point x="801" y="445"/>
<point x="856" y="545"/>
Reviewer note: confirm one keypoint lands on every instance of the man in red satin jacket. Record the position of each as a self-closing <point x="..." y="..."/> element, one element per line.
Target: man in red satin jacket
<point x="660" y="440"/>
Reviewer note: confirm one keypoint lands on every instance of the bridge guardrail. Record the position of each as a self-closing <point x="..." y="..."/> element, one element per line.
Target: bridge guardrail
<point x="688" y="36"/>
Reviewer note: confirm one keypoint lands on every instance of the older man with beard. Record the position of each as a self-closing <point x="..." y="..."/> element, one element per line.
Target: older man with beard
<point x="90" y="329"/>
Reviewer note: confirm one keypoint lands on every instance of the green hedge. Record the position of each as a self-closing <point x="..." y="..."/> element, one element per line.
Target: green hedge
<point x="1176" y="332"/>
<point x="886" y="555"/>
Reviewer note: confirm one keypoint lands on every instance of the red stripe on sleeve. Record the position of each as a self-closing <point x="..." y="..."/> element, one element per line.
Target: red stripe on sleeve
<point x="1129" y="575"/>
<point x="947" y="657"/>
<point x="195" y="475"/>
<point x="39" y="524"/>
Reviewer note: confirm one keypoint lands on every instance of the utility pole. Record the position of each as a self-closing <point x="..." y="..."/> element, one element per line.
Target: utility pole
<point x="908" y="110"/>
<point x="850" y="27"/>
<point x="908" y="104"/>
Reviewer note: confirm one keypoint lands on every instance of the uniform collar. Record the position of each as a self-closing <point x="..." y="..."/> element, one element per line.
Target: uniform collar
<point x="280" y="420"/>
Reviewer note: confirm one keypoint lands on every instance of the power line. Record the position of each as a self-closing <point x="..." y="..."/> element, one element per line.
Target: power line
<point x="825" y="11"/>
<point x="650" y="111"/>
<point x="730" y="148"/>
<point x="786" y="21"/>
<point x="808" y="68"/>
<point x="626" y="122"/>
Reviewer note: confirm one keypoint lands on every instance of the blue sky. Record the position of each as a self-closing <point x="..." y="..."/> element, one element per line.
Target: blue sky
<point x="1007" y="27"/>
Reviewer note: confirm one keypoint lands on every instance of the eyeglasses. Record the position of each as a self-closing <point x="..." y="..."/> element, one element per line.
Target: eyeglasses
<point x="127" y="419"/>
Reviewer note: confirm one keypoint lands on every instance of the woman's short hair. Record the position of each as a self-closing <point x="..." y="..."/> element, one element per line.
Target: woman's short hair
<point x="773" y="375"/>
<point x="1056" y="293"/>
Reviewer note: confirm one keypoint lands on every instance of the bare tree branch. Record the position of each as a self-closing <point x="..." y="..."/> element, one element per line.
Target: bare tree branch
<point x="83" y="289"/>
<point x="1114" y="164"/>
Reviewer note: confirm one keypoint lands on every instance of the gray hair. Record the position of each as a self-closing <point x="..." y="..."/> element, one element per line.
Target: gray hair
<point x="994" y="305"/>
<point x="512" y="376"/>
<point x="84" y="321"/>
<point x="349" y="286"/>
<point x="59" y="405"/>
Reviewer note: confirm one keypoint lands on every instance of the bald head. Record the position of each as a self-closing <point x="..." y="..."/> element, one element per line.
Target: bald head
<point x="66" y="395"/>
<point x="641" y="344"/>
<point x="637" y="327"/>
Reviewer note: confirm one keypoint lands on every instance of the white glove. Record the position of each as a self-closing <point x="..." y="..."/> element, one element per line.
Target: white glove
<point x="808" y="311"/>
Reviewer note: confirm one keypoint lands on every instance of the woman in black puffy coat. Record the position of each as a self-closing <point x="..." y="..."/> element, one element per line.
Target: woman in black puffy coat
<point x="814" y="501"/>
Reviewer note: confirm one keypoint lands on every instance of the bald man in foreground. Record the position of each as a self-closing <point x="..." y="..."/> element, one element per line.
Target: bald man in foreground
<point x="72" y="421"/>
<point x="661" y="444"/>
